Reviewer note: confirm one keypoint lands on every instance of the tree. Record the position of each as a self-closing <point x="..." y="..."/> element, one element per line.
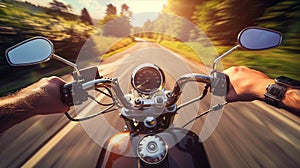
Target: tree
<point x="125" y="10"/>
<point x="111" y="14"/>
<point x="222" y="20"/>
<point x="59" y="6"/>
<point x="85" y="16"/>
<point x="111" y="9"/>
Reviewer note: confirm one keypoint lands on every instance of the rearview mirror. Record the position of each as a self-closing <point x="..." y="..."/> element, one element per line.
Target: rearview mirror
<point x="32" y="51"/>
<point x="255" y="38"/>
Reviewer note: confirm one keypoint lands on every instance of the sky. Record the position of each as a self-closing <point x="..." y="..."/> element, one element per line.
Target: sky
<point x="96" y="8"/>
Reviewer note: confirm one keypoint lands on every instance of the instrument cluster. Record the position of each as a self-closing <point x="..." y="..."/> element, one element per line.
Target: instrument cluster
<point x="147" y="79"/>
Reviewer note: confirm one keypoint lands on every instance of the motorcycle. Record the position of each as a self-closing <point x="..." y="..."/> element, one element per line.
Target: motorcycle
<point x="150" y="137"/>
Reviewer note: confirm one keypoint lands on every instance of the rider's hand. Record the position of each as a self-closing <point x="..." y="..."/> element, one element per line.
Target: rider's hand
<point x="246" y="84"/>
<point x="43" y="97"/>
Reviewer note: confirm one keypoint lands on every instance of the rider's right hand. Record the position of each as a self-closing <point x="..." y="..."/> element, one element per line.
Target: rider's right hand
<point x="246" y="84"/>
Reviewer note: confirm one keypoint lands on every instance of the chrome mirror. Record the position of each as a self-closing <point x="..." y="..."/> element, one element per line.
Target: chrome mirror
<point x="32" y="51"/>
<point x="255" y="38"/>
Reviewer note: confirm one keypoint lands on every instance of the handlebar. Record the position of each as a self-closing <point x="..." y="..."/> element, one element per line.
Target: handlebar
<point x="180" y="83"/>
<point x="114" y="85"/>
<point x="216" y="82"/>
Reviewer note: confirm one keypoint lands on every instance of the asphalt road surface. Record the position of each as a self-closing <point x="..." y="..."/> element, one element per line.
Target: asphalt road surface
<point x="248" y="134"/>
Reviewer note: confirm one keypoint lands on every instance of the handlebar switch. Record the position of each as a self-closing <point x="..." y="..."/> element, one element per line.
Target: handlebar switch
<point x="73" y="94"/>
<point x="66" y="94"/>
<point x="219" y="84"/>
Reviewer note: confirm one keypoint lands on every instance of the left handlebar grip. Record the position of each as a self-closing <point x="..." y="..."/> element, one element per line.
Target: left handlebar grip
<point x="66" y="94"/>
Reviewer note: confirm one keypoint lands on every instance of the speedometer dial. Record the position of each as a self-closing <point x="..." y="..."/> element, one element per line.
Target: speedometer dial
<point x="147" y="78"/>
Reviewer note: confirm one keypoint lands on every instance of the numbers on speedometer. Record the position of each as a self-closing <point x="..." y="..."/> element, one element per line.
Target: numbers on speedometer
<point x="147" y="78"/>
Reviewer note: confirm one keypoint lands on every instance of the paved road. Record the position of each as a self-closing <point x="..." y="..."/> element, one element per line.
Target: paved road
<point x="249" y="134"/>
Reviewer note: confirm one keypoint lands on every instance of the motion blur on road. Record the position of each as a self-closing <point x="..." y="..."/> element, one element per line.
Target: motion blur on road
<point x="249" y="134"/>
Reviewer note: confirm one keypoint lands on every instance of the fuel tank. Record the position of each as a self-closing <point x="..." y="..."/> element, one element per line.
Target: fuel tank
<point x="173" y="148"/>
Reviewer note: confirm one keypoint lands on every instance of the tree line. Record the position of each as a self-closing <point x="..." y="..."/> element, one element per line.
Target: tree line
<point x="221" y="20"/>
<point x="67" y="8"/>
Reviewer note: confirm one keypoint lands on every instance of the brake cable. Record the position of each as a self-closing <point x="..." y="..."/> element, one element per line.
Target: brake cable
<point x="109" y="92"/>
<point x="102" y="104"/>
<point x="107" y="110"/>
<point x="195" y="99"/>
<point x="214" y="108"/>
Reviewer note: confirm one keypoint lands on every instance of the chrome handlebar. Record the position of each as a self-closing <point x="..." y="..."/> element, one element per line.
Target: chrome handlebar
<point x="172" y="97"/>
<point x="180" y="83"/>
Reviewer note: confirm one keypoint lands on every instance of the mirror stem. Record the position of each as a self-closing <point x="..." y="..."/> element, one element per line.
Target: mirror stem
<point x="222" y="56"/>
<point x="66" y="62"/>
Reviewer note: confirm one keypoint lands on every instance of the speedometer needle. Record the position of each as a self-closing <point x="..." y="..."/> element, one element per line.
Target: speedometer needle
<point x="143" y="83"/>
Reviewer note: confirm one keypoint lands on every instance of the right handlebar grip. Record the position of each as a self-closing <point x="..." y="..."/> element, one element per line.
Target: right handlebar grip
<point x="220" y="84"/>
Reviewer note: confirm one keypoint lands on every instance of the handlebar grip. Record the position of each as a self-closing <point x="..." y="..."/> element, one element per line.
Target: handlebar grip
<point x="74" y="89"/>
<point x="66" y="94"/>
<point x="73" y="94"/>
<point x="220" y="84"/>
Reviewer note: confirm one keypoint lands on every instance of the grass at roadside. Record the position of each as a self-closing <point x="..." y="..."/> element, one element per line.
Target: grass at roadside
<point x="118" y="50"/>
<point x="273" y="62"/>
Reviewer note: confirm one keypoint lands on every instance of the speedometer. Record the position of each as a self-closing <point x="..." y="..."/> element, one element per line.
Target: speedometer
<point x="147" y="78"/>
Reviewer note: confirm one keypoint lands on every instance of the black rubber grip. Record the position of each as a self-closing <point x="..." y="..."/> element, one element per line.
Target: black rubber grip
<point x="220" y="84"/>
<point x="66" y="94"/>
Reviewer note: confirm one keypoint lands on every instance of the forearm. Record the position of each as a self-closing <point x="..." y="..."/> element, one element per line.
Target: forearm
<point x="13" y="110"/>
<point x="40" y="98"/>
<point x="248" y="85"/>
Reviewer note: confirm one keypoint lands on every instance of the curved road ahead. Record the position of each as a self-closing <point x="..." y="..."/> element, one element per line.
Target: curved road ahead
<point x="249" y="134"/>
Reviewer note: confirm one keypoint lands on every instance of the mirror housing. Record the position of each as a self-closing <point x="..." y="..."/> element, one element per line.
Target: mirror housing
<point x="253" y="38"/>
<point x="256" y="38"/>
<point x="29" y="52"/>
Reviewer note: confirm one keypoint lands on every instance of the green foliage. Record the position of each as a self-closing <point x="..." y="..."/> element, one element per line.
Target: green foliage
<point x="59" y="6"/>
<point x="284" y="17"/>
<point x="30" y="19"/>
<point x="273" y="62"/>
<point x="21" y="20"/>
<point x="223" y="20"/>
